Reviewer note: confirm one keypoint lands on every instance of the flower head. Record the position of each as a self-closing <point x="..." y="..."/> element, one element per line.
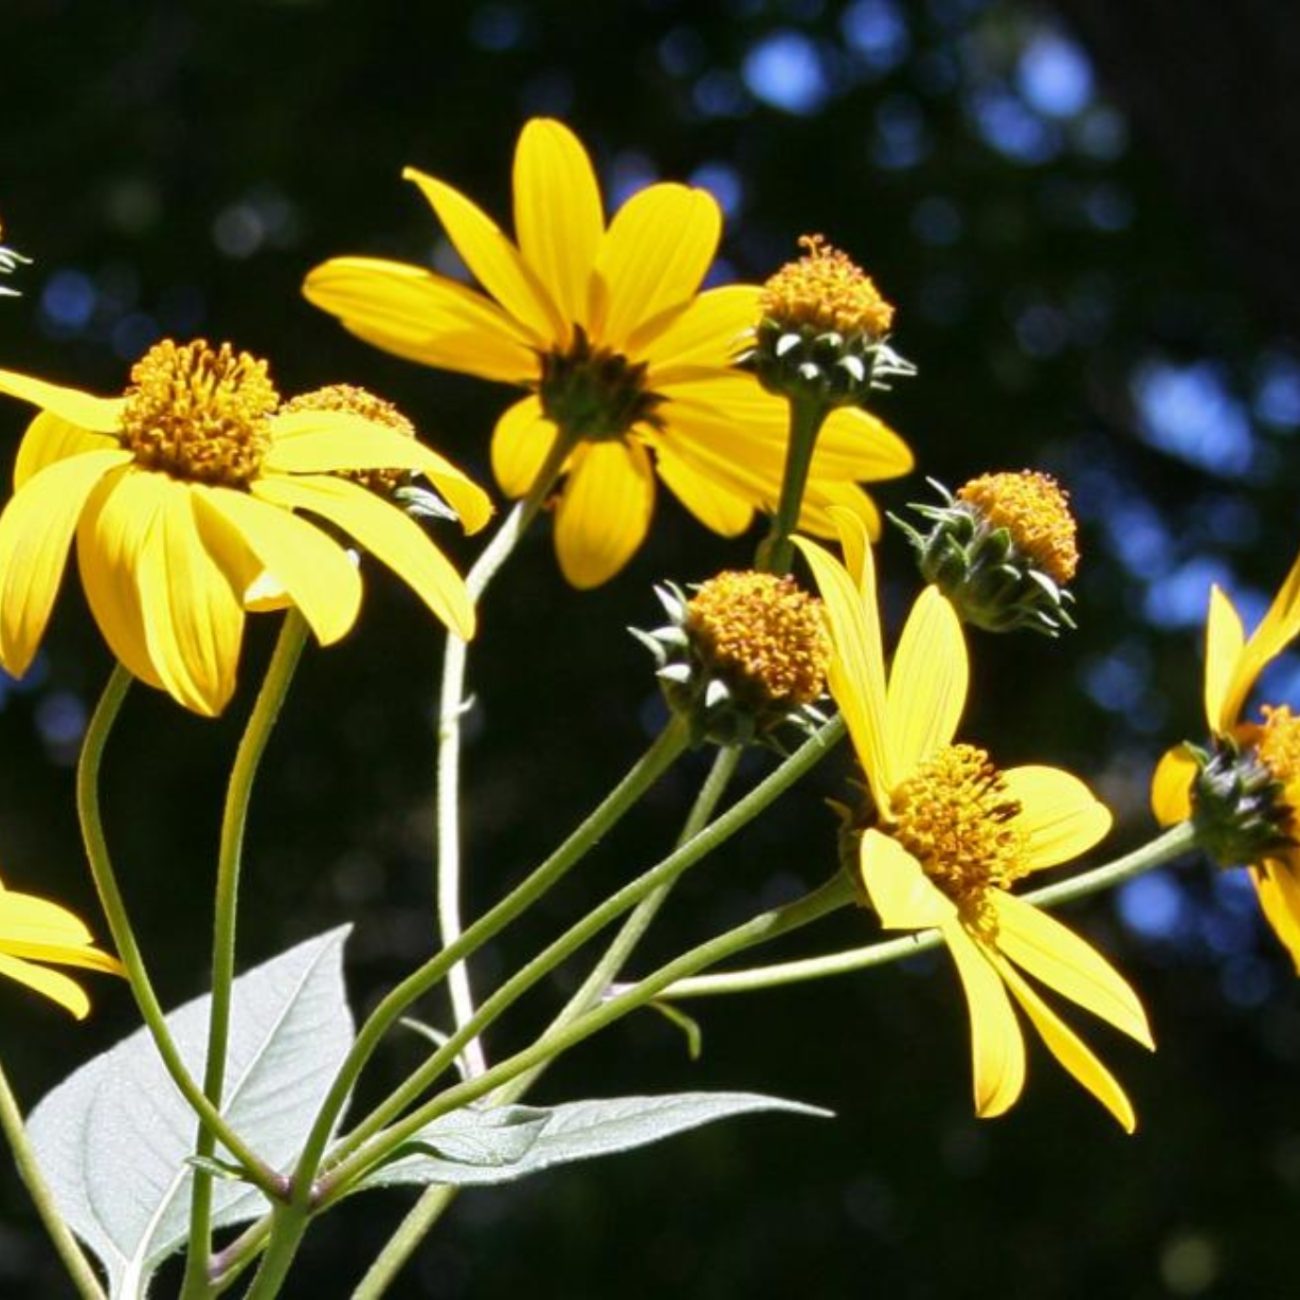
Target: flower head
<point x="34" y="934"/>
<point x="606" y="326"/>
<point x="949" y="833"/>
<point x="1244" y="792"/>
<point x="183" y="496"/>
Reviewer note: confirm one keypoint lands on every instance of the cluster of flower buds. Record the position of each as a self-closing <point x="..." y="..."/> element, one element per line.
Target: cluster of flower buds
<point x="1239" y="805"/>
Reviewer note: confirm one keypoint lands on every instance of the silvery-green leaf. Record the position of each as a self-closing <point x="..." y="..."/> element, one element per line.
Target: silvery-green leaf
<point x="114" y="1138"/>
<point x="577" y="1130"/>
<point x="480" y="1138"/>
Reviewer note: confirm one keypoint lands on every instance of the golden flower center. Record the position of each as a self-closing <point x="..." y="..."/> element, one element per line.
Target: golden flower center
<point x="199" y="413"/>
<point x="956" y="815"/>
<point x="1035" y="510"/>
<point x="594" y="393"/>
<point x="1279" y="744"/>
<point x="826" y="290"/>
<point x="359" y="401"/>
<point x="764" y="634"/>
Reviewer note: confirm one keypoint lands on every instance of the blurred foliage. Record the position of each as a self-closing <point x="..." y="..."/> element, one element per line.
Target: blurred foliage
<point x="176" y="168"/>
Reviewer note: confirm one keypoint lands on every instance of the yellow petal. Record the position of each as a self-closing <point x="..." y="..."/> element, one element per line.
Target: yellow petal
<point x="36" y="530"/>
<point x="1279" y="899"/>
<point x="823" y="498"/>
<point x="48" y="439"/>
<point x="707" y="499"/>
<point x="709" y="332"/>
<point x="423" y="317"/>
<point x="494" y="261"/>
<point x="1056" y="956"/>
<point x="653" y="257"/>
<point x="1171" y="786"/>
<point x="326" y="442"/>
<point x="604" y="511"/>
<point x="997" y="1047"/>
<point x="52" y="984"/>
<point x="927" y="684"/>
<point x="1224" y="641"/>
<point x="520" y="442"/>
<point x="857" y="672"/>
<point x="559" y="218"/>
<point x="94" y="414"/>
<point x="194" y="623"/>
<point x="854" y="444"/>
<point x="855" y="542"/>
<point x="904" y="897"/>
<point x="389" y="534"/>
<point x="318" y="574"/>
<point x="1070" y="1051"/>
<point x="1060" y="817"/>
<point x="1276" y="630"/>
<point x="38" y="929"/>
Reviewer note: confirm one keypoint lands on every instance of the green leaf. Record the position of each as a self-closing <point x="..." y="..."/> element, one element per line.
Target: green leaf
<point x="577" y="1130"/>
<point x="115" y="1138"/>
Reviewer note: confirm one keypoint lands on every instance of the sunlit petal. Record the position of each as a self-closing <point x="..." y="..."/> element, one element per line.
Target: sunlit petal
<point x="708" y="500"/>
<point x="1171" y="786"/>
<point x="1279" y="899"/>
<point x="1060" y="817"/>
<point x="709" y="332"/>
<point x="94" y="414"/>
<point x="904" y="897"/>
<point x="50" y="983"/>
<point x="824" y="497"/>
<point x="604" y="511"/>
<point x="48" y="438"/>
<point x="1276" y="630"/>
<point x="520" y="442"/>
<point x="1224" y="640"/>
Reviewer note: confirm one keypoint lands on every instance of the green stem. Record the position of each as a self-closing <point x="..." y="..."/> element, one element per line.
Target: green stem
<point x="353" y="1150"/>
<point x="119" y="924"/>
<point x="78" y="1266"/>
<point x="1164" y="848"/>
<point x="228" y="1264"/>
<point x="451" y="707"/>
<point x="288" y="1226"/>
<point x="807" y="414"/>
<point x="252" y="745"/>
<point x="836" y="893"/>
<point x="652" y="764"/>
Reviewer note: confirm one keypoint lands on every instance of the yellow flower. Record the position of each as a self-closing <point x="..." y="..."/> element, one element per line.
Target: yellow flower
<point x="952" y="833"/>
<point x="607" y="328"/>
<point x="1233" y="664"/>
<point x="34" y="931"/>
<point x="182" y="495"/>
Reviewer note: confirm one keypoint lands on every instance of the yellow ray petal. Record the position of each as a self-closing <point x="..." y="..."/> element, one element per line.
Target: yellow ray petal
<point x="559" y="219"/>
<point x="111" y="534"/>
<point x="1060" y="817"/>
<point x="1276" y="630"/>
<point x="94" y="414"/>
<point x="904" y="897"/>
<point x="708" y="332"/>
<point x="193" y="619"/>
<point x="520" y="442"/>
<point x="1224" y="640"/>
<point x="707" y="499"/>
<point x="927" y="684"/>
<point x="48" y="439"/>
<point x="859" y="559"/>
<point x="1171" y="786"/>
<point x="856" y="444"/>
<point x="389" y="534"/>
<point x="1070" y="1051"/>
<point x="1059" y="958"/>
<point x="823" y="498"/>
<point x="423" y="317"/>
<point x="325" y="442"/>
<point x="1279" y="899"/>
<point x="653" y="257"/>
<point x="604" y="511"/>
<point x="52" y="984"/>
<point x="494" y="261"/>
<point x="997" y="1047"/>
<point x="318" y="574"/>
<point x="35" y="532"/>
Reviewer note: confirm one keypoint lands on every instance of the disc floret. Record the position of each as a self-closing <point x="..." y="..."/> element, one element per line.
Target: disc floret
<point x="594" y="393"/>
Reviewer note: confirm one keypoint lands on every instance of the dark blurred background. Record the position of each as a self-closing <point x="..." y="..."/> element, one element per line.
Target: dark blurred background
<point x="1086" y="214"/>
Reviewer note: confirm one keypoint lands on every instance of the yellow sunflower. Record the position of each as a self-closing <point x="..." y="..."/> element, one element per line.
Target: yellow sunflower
<point x="182" y="495"/>
<point x="951" y="833"/>
<point x="1233" y="664"/>
<point x="34" y="931"/>
<point x="607" y="327"/>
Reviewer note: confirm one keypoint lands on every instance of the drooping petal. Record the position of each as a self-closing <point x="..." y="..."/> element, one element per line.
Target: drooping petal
<point x="41" y="930"/>
<point x="520" y="442"/>
<point x="424" y="317"/>
<point x="48" y="438"/>
<point x="709" y="332"/>
<point x="1224" y="641"/>
<point x="904" y="897"/>
<point x="1060" y="817"/>
<point x="559" y="219"/>
<point x="604" y="511"/>
<point x="388" y="533"/>
<point x="50" y="983"/>
<point x="653" y="257"/>
<point x="927" y="683"/>
<point x="94" y="414"/>
<point x="193" y="619"/>
<point x="997" y="1046"/>
<point x="317" y="573"/>
<point x="36" y="530"/>
<point x="1070" y="1051"/>
<point x="326" y="442"/>
<point x="494" y="261"/>
<point x="1279" y="899"/>
<point x="707" y="499"/>
<point x="1171" y="786"/>
<point x="1063" y="961"/>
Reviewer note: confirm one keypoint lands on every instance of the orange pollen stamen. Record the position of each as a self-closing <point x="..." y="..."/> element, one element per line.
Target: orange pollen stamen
<point x="826" y="290"/>
<point x="1035" y="510"/>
